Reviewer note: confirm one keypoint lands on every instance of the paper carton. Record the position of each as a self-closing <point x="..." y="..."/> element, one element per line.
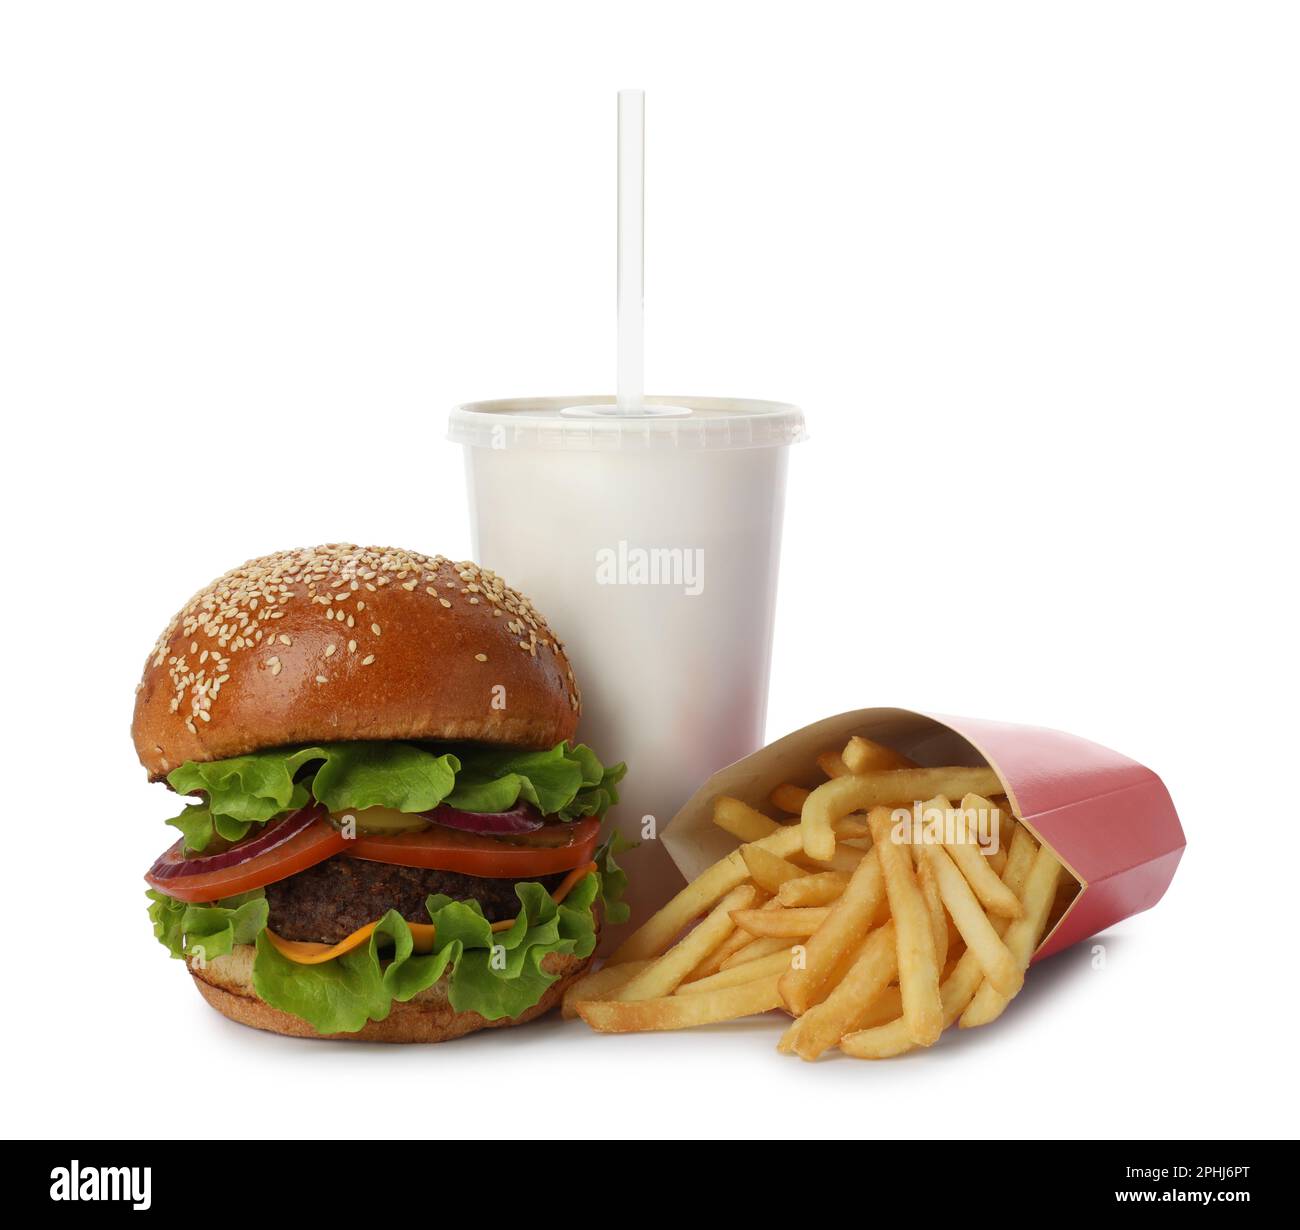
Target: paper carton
<point x="1109" y="819"/>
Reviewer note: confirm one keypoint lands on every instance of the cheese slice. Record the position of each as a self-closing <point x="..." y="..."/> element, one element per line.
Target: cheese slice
<point x="307" y="952"/>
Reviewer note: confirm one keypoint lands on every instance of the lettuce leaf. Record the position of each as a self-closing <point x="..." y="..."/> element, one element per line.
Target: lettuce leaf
<point x="397" y="775"/>
<point x="340" y="996"/>
<point x="598" y="799"/>
<point x="613" y="879"/>
<point x="496" y="974"/>
<point x="568" y="781"/>
<point x="199" y="824"/>
<point x="250" y="788"/>
<point x="207" y="931"/>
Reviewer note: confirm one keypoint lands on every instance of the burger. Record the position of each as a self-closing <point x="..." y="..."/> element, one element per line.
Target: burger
<point x="389" y="832"/>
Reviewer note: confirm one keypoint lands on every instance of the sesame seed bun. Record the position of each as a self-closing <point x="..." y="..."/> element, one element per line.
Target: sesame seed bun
<point x="227" y="984"/>
<point x="343" y="642"/>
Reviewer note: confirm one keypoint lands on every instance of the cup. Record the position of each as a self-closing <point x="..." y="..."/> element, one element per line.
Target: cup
<point x="651" y="542"/>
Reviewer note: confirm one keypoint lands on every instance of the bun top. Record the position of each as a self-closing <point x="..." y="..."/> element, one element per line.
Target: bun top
<point x="341" y="642"/>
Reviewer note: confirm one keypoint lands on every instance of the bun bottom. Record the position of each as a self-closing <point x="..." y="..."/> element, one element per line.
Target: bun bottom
<point x="226" y="983"/>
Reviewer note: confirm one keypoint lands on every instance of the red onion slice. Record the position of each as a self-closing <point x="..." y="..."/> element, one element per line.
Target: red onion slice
<point x="522" y="818"/>
<point x="276" y="833"/>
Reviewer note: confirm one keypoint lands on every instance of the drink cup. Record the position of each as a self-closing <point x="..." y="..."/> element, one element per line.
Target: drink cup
<point x="651" y="542"/>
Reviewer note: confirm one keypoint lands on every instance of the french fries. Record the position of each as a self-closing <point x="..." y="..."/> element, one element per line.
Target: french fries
<point x="835" y="799"/>
<point x="741" y="820"/>
<point x="664" y="976"/>
<point x="789" y="798"/>
<point x="995" y="959"/>
<point x="842" y="930"/>
<point x="918" y="965"/>
<point x="682" y="1011"/>
<point x="597" y="985"/>
<point x="799" y="923"/>
<point x="769" y="871"/>
<point x="873" y="927"/>
<point x="864" y="756"/>
<point x="832" y="764"/>
<point x="824" y="1024"/>
<point x="762" y="947"/>
<point x="817" y="888"/>
<point x="1021" y="937"/>
<point x="774" y="963"/>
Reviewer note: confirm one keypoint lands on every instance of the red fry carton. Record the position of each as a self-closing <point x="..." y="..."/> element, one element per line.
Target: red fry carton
<point x="1109" y="819"/>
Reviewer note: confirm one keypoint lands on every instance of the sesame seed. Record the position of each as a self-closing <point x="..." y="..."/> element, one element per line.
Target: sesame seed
<point x="352" y="647"/>
<point x="368" y="659"/>
<point x="444" y="602"/>
<point x="480" y="657"/>
<point x="375" y="629"/>
<point x="329" y="650"/>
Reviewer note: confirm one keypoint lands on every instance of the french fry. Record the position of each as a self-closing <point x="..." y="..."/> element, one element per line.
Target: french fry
<point x="664" y="976"/>
<point x="653" y="937"/>
<point x="995" y="959"/>
<point x="995" y="896"/>
<point x="798" y="924"/>
<point x="865" y="756"/>
<point x="918" y="968"/>
<point x="844" y="928"/>
<point x="835" y="799"/>
<point x="886" y="1007"/>
<point x="737" y="940"/>
<point x="832" y="764"/>
<point x="1020" y="858"/>
<point x="747" y="971"/>
<point x="884" y="1035"/>
<point x="787" y="842"/>
<point x="769" y="871"/>
<point x="934" y="905"/>
<point x="682" y="1011"/>
<point x="997" y="859"/>
<point x="845" y="858"/>
<point x="658" y="931"/>
<point x="764" y="946"/>
<point x="819" y="888"/>
<point x="824" y="1024"/>
<point x="597" y="985"/>
<point x="893" y="1038"/>
<point x="789" y="798"/>
<point x="741" y="820"/>
<point x="1021" y="937"/>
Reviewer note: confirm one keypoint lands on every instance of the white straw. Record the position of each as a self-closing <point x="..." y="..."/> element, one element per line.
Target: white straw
<point x="631" y="250"/>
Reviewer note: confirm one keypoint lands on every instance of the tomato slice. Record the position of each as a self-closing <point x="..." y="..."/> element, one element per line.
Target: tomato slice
<point x="321" y="840"/>
<point x="445" y="849"/>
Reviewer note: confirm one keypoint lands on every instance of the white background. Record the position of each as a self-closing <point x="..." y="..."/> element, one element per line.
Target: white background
<point x="1030" y="269"/>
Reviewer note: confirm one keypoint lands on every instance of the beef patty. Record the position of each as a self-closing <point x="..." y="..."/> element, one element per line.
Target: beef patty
<point x="329" y="901"/>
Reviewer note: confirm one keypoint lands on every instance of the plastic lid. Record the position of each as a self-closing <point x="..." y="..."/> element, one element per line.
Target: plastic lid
<point x="541" y="422"/>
